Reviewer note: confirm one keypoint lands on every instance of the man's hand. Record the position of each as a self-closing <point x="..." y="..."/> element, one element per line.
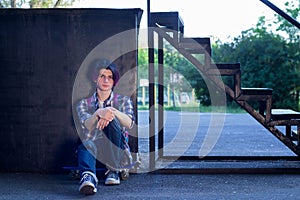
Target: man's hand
<point x="102" y="123"/>
<point x="106" y="115"/>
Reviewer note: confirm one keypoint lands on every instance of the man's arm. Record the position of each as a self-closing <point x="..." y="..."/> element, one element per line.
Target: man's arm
<point x="91" y="122"/>
<point x="125" y="113"/>
<point x="100" y="119"/>
<point x="87" y="119"/>
<point x="124" y="119"/>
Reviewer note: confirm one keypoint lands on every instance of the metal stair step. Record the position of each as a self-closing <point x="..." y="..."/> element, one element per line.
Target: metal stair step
<point x="257" y="91"/>
<point x="258" y="94"/>
<point x="169" y="20"/>
<point x="225" y="69"/>
<point x="285" y="114"/>
<point x="196" y="45"/>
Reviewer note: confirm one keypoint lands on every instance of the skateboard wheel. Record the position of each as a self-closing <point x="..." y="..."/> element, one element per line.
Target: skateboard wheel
<point x="124" y="175"/>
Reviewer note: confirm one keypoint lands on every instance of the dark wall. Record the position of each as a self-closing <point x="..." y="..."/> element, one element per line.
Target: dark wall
<point x="41" y="52"/>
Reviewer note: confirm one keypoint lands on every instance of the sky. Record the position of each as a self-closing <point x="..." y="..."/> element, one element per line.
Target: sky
<point x="219" y="19"/>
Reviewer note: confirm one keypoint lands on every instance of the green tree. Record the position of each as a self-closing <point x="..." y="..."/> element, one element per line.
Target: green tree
<point x="266" y="62"/>
<point x="143" y="63"/>
<point x="292" y="8"/>
<point x="35" y="3"/>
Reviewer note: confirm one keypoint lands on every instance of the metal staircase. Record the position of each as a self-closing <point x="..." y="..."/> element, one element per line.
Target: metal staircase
<point x="169" y="26"/>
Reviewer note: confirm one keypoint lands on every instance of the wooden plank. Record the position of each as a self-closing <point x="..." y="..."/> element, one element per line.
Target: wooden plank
<point x="228" y="69"/>
<point x="257" y="91"/>
<point x="224" y="69"/>
<point x="284" y="114"/>
<point x="197" y="46"/>
<point x="255" y="94"/>
<point x="171" y="20"/>
<point x="193" y="43"/>
<point x="237" y="84"/>
<point x="227" y="65"/>
<point x="284" y="122"/>
<point x="168" y="20"/>
<point x="223" y="72"/>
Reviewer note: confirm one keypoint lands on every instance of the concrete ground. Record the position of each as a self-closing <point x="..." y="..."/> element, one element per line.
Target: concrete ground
<point x="241" y="136"/>
<point x="20" y="186"/>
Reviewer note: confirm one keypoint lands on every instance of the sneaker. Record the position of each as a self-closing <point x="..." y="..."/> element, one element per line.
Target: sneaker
<point x="112" y="178"/>
<point x="88" y="183"/>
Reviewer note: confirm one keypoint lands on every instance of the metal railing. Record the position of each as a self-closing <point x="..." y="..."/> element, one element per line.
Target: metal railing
<point x="281" y="13"/>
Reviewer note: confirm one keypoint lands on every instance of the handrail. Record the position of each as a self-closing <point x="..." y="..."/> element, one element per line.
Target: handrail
<point x="151" y="92"/>
<point x="282" y="13"/>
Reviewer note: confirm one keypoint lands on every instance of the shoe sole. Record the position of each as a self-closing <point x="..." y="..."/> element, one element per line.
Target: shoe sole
<point x="112" y="182"/>
<point x="88" y="189"/>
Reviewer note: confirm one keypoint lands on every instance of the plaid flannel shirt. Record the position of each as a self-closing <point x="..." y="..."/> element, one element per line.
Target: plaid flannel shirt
<point x="87" y="107"/>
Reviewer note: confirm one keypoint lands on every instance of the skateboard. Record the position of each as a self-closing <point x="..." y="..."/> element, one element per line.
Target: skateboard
<point x="124" y="171"/>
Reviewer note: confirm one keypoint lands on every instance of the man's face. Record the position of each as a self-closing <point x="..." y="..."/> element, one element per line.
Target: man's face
<point x="105" y="80"/>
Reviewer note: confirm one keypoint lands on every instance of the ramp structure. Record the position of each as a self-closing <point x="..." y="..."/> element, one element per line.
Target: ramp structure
<point x="41" y="53"/>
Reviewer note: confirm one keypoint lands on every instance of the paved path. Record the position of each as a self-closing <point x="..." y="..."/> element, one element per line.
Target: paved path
<point x="217" y="135"/>
<point x="155" y="186"/>
<point x="240" y="135"/>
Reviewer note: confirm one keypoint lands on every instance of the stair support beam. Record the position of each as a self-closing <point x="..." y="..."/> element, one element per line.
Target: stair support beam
<point x="263" y="95"/>
<point x="160" y="97"/>
<point x="271" y="127"/>
<point x="237" y="84"/>
<point x="151" y="75"/>
<point x="293" y="135"/>
<point x="217" y="80"/>
<point x="284" y="139"/>
<point x="228" y="69"/>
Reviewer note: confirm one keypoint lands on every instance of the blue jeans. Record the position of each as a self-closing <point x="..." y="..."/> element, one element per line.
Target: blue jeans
<point x="109" y="150"/>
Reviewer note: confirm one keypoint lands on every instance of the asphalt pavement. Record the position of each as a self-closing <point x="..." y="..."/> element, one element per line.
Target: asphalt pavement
<point x="20" y="186"/>
<point x="185" y="133"/>
<point x="240" y="136"/>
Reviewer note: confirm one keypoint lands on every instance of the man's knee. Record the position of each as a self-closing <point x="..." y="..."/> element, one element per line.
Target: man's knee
<point x="114" y="124"/>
